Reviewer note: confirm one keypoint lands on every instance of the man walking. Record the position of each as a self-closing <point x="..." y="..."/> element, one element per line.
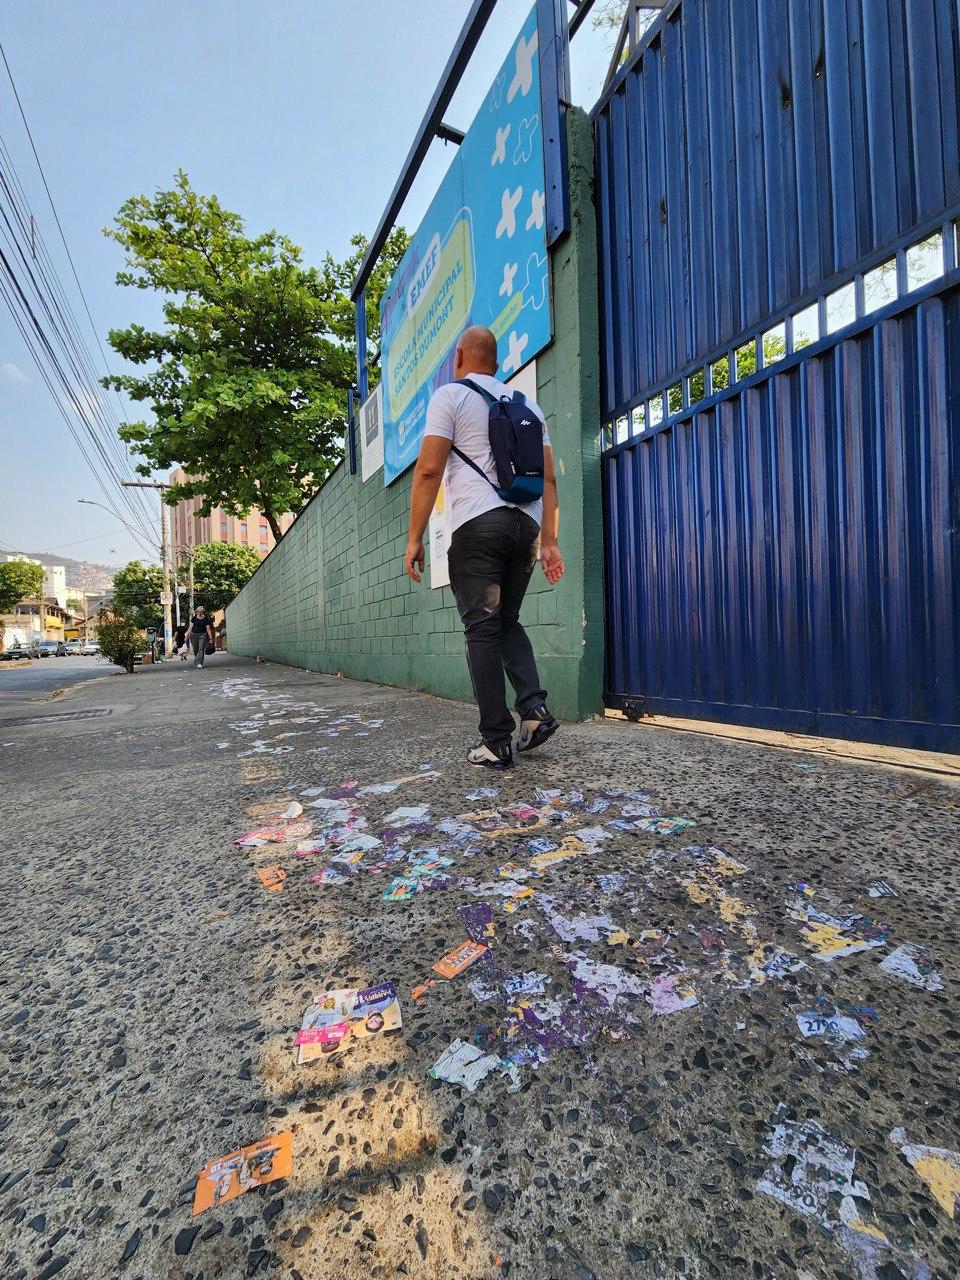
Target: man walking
<point x="493" y="549"/>
<point x="201" y="636"/>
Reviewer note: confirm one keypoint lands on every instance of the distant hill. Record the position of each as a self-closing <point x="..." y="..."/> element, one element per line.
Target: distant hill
<point x="81" y="574"/>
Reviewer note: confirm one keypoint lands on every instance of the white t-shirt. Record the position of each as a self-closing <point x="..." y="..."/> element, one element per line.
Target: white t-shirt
<point x="462" y="416"/>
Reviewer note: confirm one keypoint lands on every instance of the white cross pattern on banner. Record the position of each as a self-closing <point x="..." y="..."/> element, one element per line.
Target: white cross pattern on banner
<point x="517" y="346"/>
<point x="523" y="76"/>
<point x="509" y="271"/>
<point x="535" y="285"/>
<point x="508" y="212"/>
<point x="537" y="204"/>
<point x="500" y="150"/>
<point x="526" y="137"/>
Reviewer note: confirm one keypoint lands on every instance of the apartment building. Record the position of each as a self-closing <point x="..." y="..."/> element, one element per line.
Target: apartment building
<point x="190" y="528"/>
<point x="54" y="579"/>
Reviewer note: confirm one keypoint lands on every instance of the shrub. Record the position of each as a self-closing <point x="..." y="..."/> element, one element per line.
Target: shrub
<point x="120" y="639"/>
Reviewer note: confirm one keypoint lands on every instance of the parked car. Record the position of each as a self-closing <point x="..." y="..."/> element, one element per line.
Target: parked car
<point x="51" y="649"/>
<point x="73" y="648"/>
<point x="29" y="650"/>
<point x="89" y="648"/>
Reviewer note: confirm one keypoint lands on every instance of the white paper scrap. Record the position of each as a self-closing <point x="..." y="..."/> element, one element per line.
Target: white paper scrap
<point x="464" y="1064"/>
<point x="912" y="964"/>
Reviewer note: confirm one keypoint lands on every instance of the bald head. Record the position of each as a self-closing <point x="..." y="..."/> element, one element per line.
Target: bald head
<point x="476" y="352"/>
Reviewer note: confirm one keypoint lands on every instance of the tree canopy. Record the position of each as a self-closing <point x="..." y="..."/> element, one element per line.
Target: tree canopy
<point x="220" y="569"/>
<point x="247" y="379"/>
<point x="19" y="580"/>
<point x="608" y="16"/>
<point x="136" y="593"/>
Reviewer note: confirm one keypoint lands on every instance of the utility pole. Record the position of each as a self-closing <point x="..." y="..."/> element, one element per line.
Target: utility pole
<point x="187" y="554"/>
<point x="167" y="596"/>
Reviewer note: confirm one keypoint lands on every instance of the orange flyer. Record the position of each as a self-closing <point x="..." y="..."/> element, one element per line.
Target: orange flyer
<point x="233" y="1175"/>
<point x="460" y="958"/>
<point x="272" y="878"/>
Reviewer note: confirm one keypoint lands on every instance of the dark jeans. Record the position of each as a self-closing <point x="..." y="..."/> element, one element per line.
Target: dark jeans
<point x="491" y="559"/>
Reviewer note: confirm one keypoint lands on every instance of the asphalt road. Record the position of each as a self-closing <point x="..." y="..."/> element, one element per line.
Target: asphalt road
<point x="40" y="677"/>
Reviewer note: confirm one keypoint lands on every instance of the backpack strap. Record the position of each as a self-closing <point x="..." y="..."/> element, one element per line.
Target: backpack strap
<point x="490" y="399"/>
<point x="487" y="395"/>
<point x="470" y="463"/>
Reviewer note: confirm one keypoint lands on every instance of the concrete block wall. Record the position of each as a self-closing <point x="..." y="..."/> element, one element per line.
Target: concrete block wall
<point x="333" y="597"/>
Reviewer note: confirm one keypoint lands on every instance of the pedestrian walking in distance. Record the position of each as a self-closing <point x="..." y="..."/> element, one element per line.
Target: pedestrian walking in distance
<point x="201" y="636"/>
<point x="180" y="640"/>
<point x="494" y="447"/>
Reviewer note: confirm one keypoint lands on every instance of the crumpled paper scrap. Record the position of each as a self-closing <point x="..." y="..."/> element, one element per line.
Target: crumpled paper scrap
<point x="911" y="963"/>
<point x="464" y="1064"/>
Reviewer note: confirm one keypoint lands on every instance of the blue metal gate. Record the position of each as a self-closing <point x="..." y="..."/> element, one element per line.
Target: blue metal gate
<point x="778" y="195"/>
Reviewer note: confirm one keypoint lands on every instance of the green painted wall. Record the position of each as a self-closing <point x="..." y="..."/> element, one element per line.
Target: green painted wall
<point x="332" y="596"/>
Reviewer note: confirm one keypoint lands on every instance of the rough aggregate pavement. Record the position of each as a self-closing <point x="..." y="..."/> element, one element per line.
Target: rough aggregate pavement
<point x="727" y="1066"/>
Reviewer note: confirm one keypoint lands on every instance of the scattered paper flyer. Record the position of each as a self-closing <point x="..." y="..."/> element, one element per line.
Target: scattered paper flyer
<point x="272" y="878"/>
<point x="233" y="1175"/>
<point x="913" y="965"/>
<point x="464" y="1064"/>
<point x="263" y="835"/>
<point x="408" y="816"/>
<point x="338" y="1017"/>
<point x="400" y="889"/>
<point x="664" y="826"/>
<point x="461" y="957"/>
<point x="385" y="788"/>
<point x="882" y="889"/>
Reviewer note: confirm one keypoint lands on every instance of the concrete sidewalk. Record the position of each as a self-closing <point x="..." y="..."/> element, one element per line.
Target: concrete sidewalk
<point x="674" y="1117"/>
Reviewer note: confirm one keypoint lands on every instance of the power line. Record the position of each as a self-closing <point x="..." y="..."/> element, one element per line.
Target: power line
<point x="48" y="551"/>
<point x="53" y="207"/>
<point x="69" y="337"/>
<point x="60" y="316"/>
<point x="50" y="368"/>
<point x="52" y="281"/>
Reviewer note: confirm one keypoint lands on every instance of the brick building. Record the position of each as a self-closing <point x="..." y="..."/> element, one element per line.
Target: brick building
<point x="190" y="529"/>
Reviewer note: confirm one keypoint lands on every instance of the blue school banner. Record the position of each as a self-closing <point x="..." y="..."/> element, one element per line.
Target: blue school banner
<point x="478" y="257"/>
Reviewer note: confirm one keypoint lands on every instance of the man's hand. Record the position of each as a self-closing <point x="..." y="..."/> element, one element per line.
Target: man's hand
<point x="552" y="562"/>
<point x="413" y="560"/>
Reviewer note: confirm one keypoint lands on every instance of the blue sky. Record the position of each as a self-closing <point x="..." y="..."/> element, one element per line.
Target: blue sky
<point x="296" y="113"/>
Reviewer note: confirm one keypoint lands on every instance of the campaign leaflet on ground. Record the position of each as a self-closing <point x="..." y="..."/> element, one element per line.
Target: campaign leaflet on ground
<point x="337" y="1018"/>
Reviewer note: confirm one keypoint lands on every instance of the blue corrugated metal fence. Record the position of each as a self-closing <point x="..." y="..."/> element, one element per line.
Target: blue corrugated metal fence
<point x="777" y="188"/>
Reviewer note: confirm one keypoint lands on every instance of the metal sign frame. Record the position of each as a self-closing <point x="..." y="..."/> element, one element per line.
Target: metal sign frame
<point x="554" y="32"/>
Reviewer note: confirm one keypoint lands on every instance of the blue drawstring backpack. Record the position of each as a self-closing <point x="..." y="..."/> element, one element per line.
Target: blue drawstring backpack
<point x="516" y="442"/>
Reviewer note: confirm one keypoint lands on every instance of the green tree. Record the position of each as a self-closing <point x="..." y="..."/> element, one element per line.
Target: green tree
<point x="19" y="580"/>
<point x="247" y="380"/>
<point x="120" y="638"/>
<point x="136" y="593"/>
<point x="608" y="16"/>
<point x="220" y="569"/>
